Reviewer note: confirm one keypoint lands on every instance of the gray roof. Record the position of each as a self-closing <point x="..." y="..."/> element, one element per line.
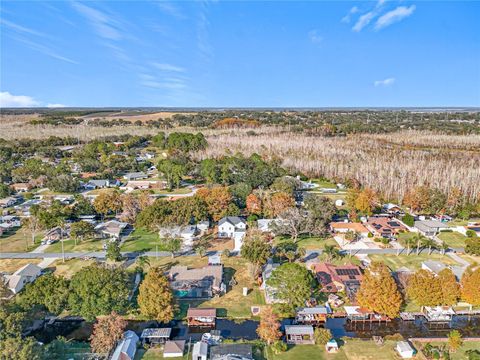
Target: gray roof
<point x="434" y="266"/>
<point x="223" y="350"/>
<point x="234" y="220"/>
<point x="313" y="310"/>
<point x="135" y="175"/>
<point x="174" y="347"/>
<point x="156" y="333"/>
<point x="429" y="225"/>
<point x="200" y="348"/>
<point x="29" y="270"/>
<point x="98" y="183"/>
<point x="128" y="347"/>
<point x="298" y="329"/>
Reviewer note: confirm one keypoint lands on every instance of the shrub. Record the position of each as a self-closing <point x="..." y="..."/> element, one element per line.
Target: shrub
<point x="279" y="346"/>
<point x="322" y="336"/>
<point x="470" y="233"/>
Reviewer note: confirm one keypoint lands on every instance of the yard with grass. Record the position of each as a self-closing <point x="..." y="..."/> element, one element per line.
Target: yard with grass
<point x="82" y="246"/>
<point x="452" y="238"/>
<point x="16" y="240"/>
<point x="412" y="261"/>
<point x="70" y="267"/>
<point x="141" y="240"/>
<point x="153" y="354"/>
<point x="233" y="304"/>
<point x="308" y="242"/>
<point x="458" y="355"/>
<point x="12" y="265"/>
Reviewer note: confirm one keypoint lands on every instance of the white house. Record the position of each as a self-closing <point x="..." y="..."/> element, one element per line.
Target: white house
<point x="200" y="351"/>
<point x="7" y="202"/>
<point x="174" y="348"/>
<point x="127" y="348"/>
<point x="430" y="227"/>
<point x="405" y="350"/>
<point x="23" y="276"/>
<point x="111" y="228"/>
<point x="186" y="233"/>
<point x="233" y="227"/>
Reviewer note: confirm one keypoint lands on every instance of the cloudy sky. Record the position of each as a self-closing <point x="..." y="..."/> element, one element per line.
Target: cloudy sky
<point x="240" y="54"/>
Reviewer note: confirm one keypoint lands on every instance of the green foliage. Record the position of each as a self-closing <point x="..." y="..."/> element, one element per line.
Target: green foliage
<point x="472" y="246"/>
<point x="470" y="233"/>
<point x="81" y="230"/>
<point x="173" y="171"/>
<point x="455" y="340"/>
<point x="113" y="251"/>
<point x="159" y="140"/>
<point x="4" y="190"/>
<point x="49" y="291"/>
<point x="97" y="290"/>
<point x="408" y="219"/>
<point x="186" y="142"/>
<point x="279" y="347"/>
<point x="292" y="283"/>
<point x="63" y="183"/>
<point x="239" y="193"/>
<point x="256" y="249"/>
<point x="322" y="336"/>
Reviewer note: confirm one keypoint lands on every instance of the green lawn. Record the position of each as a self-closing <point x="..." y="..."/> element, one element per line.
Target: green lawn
<point x="452" y="238"/>
<point x="70" y="267"/>
<point x="460" y="354"/>
<point x="154" y="354"/>
<point x="308" y="242"/>
<point x="69" y="246"/>
<point x="16" y="240"/>
<point x="141" y="240"/>
<point x="324" y="184"/>
<point x="356" y="349"/>
<point x="412" y="261"/>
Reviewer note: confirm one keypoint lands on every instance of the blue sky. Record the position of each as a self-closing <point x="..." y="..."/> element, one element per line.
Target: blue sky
<point x="240" y="53"/>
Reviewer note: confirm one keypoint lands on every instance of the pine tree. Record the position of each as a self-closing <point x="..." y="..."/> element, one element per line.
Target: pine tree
<point x="155" y="298"/>
<point x="379" y="292"/>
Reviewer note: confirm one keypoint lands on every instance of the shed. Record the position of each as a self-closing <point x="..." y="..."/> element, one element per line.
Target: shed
<point x="155" y="335"/>
<point x="174" y="348"/>
<point x="299" y="334"/>
<point x="405" y="350"/>
<point x="200" y="351"/>
<point x="331" y="346"/>
<point x="127" y="348"/>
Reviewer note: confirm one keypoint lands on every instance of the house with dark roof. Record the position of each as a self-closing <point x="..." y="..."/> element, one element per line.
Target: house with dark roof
<point x="342" y="278"/>
<point x="231" y="352"/>
<point x="383" y="226"/>
<point x="198" y="283"/>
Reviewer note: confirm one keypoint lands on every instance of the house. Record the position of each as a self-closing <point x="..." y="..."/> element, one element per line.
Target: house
<point x="97" y="184"/>
<point x="186" y="233"/>
<point x="54" y="234"/>
<point x="10" y="221"/>
<point x="438" y="313"/>
<point x="383" y="226"/>
<point x="203" y="226"/>
<point x="21" y="277"/>
<point x="197" y="283"/>
<point x="231" y="352"/>
<point x="345" y="227"/>
<point x="356" y="313"/>
<point x="331" y="346"/>
<point x="111" y="229"/>
<point x="429" y="227"/>
<point x="405" y="350"/>
<point x="135" y="176"/>
<point x="392" y="209"/>
<point x="174" y="348"/>
<point x="299" y="334"/>
<point x="155" y="335"/>
<point x="21" y="187"/>
<point x="24" y="208"/>
<point x="433" y="266"/>
<point x="127" y="347"/>
<point x="200" y="351"/>
<point x="8" y="201"/>
<point x="138" y="184"/>
<point x="267" y="225"/>
<point x="312" y="315"/>
<point x="270" y="291"/>
<point x="233" y="227"/>
<point x="340" y="278"/>
<point x="201" y="316"/>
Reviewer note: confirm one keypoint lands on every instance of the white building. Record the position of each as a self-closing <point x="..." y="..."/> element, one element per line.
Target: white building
<point x="233" y="227"/>
<point x="23" y="276"/>
<point x="127" y="348"/>
<point x="200" y="351"/>
<point x="405" y="350"/>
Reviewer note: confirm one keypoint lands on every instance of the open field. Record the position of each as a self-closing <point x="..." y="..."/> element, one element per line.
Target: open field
<point x="412" y="262"/>
<point x="12" y="265"/>
<point x="69" y="246"/>
<point x="308" y="242"/>
<point x="140" y="240"/>
<point x="70" y="267"/>
<point x="453" y="238"/>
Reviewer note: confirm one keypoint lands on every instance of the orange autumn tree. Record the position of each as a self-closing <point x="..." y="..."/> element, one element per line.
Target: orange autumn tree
<point x="269" y="327"/>
<point x="277" y="203"/>
<point x="254" y="204"/>
<point x="217" y="198"/>
<point x="471" y="286"/>
<point x="366" y="201"/>
<point x="106" y="332"/>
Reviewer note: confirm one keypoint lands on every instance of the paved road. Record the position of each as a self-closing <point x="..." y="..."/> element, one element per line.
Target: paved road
<point x="130" y="255"/>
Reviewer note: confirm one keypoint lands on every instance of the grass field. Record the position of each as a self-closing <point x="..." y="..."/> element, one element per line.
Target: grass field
<point x="233" y="304"/>
<point x="459" y="354"/>
<point x="153" y="354"/>
<point x="308" y="242"/>
<point x="69" y="246"/>
<point x="70" y="267"/>
<point x="412" y="262"/>
<point x="17" y="241"/>
<point x="140" y="240"/>
<point x="452" y="238"/>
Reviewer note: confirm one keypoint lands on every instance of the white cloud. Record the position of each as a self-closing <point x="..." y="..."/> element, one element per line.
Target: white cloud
<point x="347" y="18"/>
<point x="9" y="100"/>
<point x="393" y="16"/>
<point x="170" y="9"/>
<point x="315" y="37"/>
<point x="384" y="82"/>
<point x="56" y="106"/>
<point x="168" y="67"/>
<point x="364" y="20"/>
<point x="20" y="28"/>
<point x="104" y="25"/>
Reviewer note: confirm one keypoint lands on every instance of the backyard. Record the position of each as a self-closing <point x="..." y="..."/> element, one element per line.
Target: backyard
<point x="70" y="267"/>
<point x="82" y="246"/>
<point x="308" y="242"/>
<point x="16" y="240"/>
<point x="412" y="262"/>
<point x="452" y="238"/>
<point x="12" y="265"/>
<point x="140" y="240"/>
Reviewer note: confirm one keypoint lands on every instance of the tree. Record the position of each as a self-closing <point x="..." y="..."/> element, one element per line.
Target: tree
<point x="472" y="246"/>
<point x="470" y="285"/>
<point x="49" y="291"/>
<point x="142" y="262"/>
<point x="63" y="183"/>
<point x="239" y="193"/>
<point x="155" y="298"/>
<point x="97" y="290"/>
<point x="32" y="225"/>
<point x="424" y="288"/>
<point x="292" y="283"/>
<point x="217" y="198"/>
<point x="366" y="201"/>
<point x="331" y="252"/>
<point x="418" y="239"/>
<point x="429" y="243"/>
<point x="455" y="340"/>
<point x="256" y="250"/>
<point x="173" y="171"/>
<point x="254" y="204"/>
<point x="171" y="244"/>
<point x="289" y="250"/>
<point x="107" y="331"/>
<point x="277" y="203"/>
<point x="131" y="208"/>
<point x="269" y="327"/>
<point x="450" y="287"/>
<point x="292" y="222"/>
<point x="322" y="336"/>
<point x="320" y="211"/>
<point x="378" y="291"/>
<point x="107" y="202"/>
<point x="200" y="250"/>
<point x="113" y="251"/>
<point x="286" y="184"/>
<point x="81" y="230"/>
<point x="18" y="348"/>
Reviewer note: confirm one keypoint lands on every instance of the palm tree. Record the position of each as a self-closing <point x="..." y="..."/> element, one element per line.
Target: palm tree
<point x="200" y="250"/>
<point x="409" y="242"/>
<point x="429" y="243"/>
<point x="142" y="261"/>
<point x="418" y="239"/>
<point x="444" y="247"/>
<point x="331" y="252"/>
